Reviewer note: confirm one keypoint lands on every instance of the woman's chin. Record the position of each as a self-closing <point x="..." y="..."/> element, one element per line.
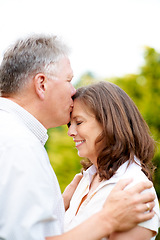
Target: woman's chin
<point x="81" y="154"/>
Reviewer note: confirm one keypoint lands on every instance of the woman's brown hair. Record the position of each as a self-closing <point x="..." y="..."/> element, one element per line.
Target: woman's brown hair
<point x="125" y="133"/>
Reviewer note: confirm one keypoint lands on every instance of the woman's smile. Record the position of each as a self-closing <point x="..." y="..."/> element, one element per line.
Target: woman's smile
<point x="79" y="143"/>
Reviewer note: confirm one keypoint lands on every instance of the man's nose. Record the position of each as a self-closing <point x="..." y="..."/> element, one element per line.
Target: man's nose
<point x="73" y="91"/>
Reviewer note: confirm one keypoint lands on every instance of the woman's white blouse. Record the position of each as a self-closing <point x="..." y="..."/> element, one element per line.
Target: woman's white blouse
<point x="95" y="201"/>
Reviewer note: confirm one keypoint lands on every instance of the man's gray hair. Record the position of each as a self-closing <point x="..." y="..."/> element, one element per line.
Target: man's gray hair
<point x="26" y="58"/>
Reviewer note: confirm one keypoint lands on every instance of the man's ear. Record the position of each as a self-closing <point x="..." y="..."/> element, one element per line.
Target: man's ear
<point x="40" y="81"/>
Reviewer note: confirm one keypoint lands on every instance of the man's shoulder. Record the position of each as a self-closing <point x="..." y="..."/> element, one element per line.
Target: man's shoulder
<point x="13" y="130"/>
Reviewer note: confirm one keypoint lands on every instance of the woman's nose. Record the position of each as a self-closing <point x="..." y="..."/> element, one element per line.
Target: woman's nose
<point x="72" y="131"/>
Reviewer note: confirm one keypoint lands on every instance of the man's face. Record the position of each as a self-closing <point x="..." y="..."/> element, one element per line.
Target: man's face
<point x="59" y="94"/>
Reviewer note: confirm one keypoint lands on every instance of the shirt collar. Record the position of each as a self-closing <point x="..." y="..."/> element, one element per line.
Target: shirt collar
<point x="117" y="176"/>
<point x="28" y="119"/>
<point x="127" y="166"/>
<point x="90" y="172"/>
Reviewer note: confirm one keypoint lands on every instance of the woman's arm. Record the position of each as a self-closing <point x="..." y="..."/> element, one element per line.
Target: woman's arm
<point x="70" y="189"/>
<point x="137" y="233"/>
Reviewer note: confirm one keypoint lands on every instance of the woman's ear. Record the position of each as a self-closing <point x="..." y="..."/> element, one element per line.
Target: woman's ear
<point x="40" y="82"/>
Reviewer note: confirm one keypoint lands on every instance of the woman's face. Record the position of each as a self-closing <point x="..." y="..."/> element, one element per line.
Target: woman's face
<point x="84" y="129"/>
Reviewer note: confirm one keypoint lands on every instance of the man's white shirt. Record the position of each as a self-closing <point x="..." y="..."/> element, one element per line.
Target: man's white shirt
<point x="31" y="205"/>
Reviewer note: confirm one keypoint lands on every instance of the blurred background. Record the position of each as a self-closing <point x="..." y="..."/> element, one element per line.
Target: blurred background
<point x="112" y="40"/>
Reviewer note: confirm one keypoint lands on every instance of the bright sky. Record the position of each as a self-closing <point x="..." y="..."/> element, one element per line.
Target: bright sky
<point x="106" y="36"/>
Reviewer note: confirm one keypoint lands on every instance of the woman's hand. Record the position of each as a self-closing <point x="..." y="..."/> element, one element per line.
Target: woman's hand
<point x="70" y="189"/>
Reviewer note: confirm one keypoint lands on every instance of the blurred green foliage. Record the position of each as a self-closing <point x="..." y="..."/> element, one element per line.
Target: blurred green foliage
<point x="144" y="89"/>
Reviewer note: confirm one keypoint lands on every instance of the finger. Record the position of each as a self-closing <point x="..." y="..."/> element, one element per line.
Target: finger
<point x="140" y="187"/>
<point x="145" y="216"/>
<point x="149" y="206"/>
<point x="122" y="184"/>
<point x="147" y="197"/>
<point x="77" y="178"/>
<point x="145" y="207"/>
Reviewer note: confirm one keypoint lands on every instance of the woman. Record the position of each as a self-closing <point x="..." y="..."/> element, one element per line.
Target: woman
<point x="109" y="131"/>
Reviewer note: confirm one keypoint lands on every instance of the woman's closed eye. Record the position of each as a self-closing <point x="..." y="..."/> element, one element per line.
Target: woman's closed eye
<point x="79" y="122"/>
<point x="69" y="124"/>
